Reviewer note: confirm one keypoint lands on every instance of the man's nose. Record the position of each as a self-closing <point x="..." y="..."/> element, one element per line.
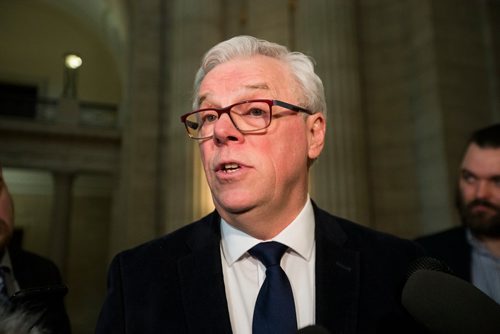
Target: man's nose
<point x="225" y="130"/>
<point x="483" y="189"/>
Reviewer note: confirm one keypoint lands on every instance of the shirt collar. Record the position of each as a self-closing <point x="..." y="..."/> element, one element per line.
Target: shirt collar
<point x="478" y="246"/>
<point x="298" y="235"/>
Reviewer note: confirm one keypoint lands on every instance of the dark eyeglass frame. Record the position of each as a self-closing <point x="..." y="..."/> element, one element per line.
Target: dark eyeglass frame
<point x="227" y="110"/>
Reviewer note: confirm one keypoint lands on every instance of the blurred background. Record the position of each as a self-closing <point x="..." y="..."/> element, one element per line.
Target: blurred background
<point x="97" y="160"/>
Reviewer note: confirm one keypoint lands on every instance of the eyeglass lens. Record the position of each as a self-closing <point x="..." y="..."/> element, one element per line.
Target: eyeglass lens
<point x="246" y="116"/>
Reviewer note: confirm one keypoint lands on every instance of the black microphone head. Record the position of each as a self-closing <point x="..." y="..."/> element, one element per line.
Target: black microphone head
<point x="427" y="263"/>
<point x="313" y="329"/>
<point x="447" y="304"/>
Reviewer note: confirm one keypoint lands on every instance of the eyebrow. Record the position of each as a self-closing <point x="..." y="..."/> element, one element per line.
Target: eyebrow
<point x="258" y="86"/>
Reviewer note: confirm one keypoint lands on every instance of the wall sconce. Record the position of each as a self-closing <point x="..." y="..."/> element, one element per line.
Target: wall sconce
<point x="72" y="62"/>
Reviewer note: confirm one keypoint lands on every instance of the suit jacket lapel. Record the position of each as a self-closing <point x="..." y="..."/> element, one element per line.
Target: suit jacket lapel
<point x="337" y="277"/>
<point x="202" y="283"/>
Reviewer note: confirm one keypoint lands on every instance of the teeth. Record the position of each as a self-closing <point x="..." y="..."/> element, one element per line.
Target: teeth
<point x="230" y="167"/>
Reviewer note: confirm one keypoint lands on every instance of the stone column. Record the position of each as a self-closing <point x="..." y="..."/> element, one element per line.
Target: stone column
<point x="192" y="27"/>
<point x="135" y="212"/>
<point x="61" y="219"/>
<point x="326" y="30"/>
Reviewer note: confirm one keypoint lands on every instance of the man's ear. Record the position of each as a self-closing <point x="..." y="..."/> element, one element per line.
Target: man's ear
<point x="316" y="127"/>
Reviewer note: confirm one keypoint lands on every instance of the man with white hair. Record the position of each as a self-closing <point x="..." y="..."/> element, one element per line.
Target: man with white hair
<point x="267" y="260"/>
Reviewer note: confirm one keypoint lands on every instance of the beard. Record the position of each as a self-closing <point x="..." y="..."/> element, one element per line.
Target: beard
<point x="480" y="223"/>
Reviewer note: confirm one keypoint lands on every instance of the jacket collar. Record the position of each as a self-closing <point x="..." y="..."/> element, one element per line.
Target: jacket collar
<point x="202" y="282"/>
<point x="337" y="276"/>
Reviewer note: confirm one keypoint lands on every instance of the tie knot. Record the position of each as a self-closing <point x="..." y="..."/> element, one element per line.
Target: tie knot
<point x="269" y="253"/>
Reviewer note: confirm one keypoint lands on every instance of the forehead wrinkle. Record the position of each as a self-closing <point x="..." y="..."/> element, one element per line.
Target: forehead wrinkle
<point x="263" y="86"/>
<point x="242" y="90"/>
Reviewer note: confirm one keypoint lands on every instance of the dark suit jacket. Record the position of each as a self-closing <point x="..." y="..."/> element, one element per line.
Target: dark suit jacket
<point x="450" y="246"/>
<point x="33" y="271"/>
<point x="175" y="285"/>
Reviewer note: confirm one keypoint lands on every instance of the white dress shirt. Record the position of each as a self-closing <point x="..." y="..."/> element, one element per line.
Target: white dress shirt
<point x="243" y="274"/>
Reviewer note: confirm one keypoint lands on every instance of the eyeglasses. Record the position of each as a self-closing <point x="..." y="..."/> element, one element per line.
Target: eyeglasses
<point x="247" y="116"/>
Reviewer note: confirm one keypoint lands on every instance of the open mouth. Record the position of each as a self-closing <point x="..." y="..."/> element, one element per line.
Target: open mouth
<point x="230" y="167"/>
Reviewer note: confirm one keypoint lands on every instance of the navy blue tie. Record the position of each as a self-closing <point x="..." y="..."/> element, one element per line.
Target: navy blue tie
<point x="274" y="309"/>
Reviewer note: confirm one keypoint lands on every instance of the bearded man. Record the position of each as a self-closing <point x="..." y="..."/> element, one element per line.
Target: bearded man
<point x="473" y="250"/>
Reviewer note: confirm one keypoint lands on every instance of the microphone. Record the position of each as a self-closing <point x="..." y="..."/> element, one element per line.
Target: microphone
<point x="445" y="303"/>
<point x="36" y="301"/>
<point x="313" y="329"/>
<point x="39" y="295"/>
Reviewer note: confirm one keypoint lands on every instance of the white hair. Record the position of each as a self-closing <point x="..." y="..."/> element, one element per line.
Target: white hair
<point x="300" y="65"/>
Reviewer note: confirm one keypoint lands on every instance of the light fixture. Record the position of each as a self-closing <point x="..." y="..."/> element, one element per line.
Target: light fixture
<point x="72" y="61"/>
